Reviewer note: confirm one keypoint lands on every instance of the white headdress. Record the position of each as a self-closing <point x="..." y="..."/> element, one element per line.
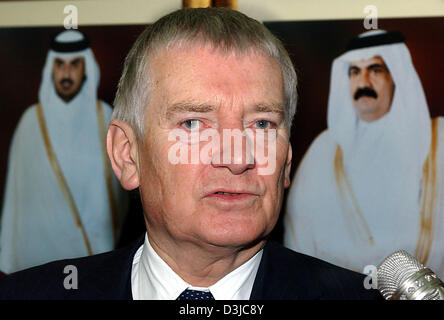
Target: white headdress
<point x="406" y="126"/>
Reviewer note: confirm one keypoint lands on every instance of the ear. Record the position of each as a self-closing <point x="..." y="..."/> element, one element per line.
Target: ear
<point x="121" y="144"/>
<point x="288" y="167"/>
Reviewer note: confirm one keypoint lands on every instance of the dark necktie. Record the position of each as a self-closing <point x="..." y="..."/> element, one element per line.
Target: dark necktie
<point x="189" y="294"/>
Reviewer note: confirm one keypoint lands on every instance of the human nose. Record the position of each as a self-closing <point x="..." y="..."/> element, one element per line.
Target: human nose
<point x="235" y="152"/>
<point x="364" y="80"/>
<point x="66" y="70"/>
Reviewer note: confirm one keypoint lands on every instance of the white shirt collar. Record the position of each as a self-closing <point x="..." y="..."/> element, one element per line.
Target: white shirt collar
<point x="153" y="279"/>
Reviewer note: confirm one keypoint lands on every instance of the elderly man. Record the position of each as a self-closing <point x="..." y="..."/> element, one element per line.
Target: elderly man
<point x="61" y="199"/>
<point x="370" y="184"/>
<point x="196" y="71"/>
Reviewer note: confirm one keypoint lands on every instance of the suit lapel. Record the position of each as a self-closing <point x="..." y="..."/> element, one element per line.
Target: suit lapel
<point x="270" y="284"/>
<point x="120" y="271"/>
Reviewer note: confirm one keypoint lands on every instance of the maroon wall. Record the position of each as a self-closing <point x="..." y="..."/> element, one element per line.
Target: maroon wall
<point x="312" y="44"/>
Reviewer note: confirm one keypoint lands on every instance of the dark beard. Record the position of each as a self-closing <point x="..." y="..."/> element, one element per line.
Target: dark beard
<point x="68" y="97"/>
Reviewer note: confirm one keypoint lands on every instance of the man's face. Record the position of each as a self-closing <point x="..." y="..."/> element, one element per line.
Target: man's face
<point x="213" y="204"/>
<point x="371" y="88"/>
<point x="68" y="76"/>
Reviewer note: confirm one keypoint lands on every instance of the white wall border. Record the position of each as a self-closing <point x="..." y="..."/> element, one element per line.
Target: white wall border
<point x="115" y="12"/>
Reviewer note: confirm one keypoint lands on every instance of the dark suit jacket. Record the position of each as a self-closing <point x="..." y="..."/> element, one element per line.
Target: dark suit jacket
<point x="282" y="274"/>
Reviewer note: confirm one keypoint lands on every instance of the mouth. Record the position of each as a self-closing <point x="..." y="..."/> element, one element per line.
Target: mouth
<point x="231" y="195"/>
<point x="66" y="84"/>
<point x="234" y="200"/>
<point x="227" y="193"/>
<point x="365" y="96"/>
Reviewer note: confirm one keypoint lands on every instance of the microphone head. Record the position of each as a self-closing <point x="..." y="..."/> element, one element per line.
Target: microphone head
<point x="401" y="276"/>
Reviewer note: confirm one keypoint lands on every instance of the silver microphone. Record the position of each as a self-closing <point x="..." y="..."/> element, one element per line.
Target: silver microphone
<point x="401" y="277"/>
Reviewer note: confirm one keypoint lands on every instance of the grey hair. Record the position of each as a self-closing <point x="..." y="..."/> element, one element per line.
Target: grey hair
<point x="224" y="29"/>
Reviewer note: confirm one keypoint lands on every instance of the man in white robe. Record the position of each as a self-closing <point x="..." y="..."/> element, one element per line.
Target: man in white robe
<point x="61" y="198"/>
<point x="372" y="182"/>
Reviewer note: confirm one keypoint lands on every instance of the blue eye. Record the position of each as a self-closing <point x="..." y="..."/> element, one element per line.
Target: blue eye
<point x="263" y="124"/>
<point x="192" y="124"/>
